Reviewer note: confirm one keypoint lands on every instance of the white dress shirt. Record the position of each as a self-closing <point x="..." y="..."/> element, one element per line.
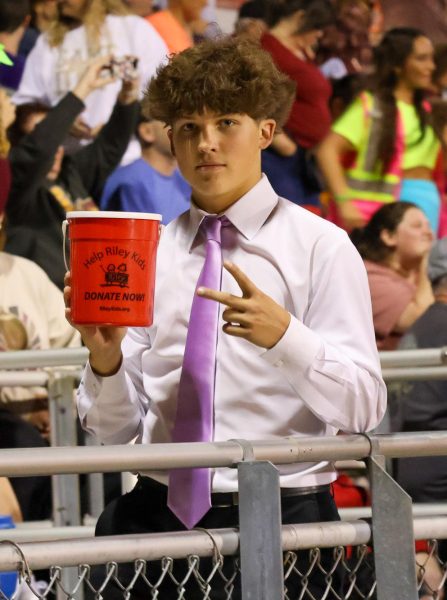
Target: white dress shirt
<point x="321" y="377"/>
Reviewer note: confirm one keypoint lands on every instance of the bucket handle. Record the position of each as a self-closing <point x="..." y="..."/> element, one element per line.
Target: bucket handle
<point x="64" y="246"/>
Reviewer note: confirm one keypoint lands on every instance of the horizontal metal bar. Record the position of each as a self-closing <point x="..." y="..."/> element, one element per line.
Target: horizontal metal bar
<point x="24" y="378"/>
<point x="20" y="535"/>
<point x="419" y="510"/>
<point x="78" y="356"/>
<point x="425" y="357"/>
<point x="41" y="555"/>
<point x="100" y="550"/>
<point x="27" y="359"/>
<point x="415" y="373"/>
<point x="27" y="378"/>
<point x="49" y="461"/>
<point x="34" y="531"/>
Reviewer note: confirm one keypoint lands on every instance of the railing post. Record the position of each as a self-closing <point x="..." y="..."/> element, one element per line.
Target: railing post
<point x="393" y="537"/>
<point x="262" y="573"/>
<point x="95" y="485"/>
<point x="65" y="488"/>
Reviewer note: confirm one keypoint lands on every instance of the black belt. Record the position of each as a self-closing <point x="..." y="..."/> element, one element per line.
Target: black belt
<point x="225" y="499"/>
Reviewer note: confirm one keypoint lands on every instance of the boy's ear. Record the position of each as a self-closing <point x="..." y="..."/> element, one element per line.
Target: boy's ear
<point x="267" y="129"/>
<point x="171" y="141"/>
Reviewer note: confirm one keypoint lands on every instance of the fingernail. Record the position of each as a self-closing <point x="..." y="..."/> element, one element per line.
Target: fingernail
<point x="200" y="290"/>
<point x="227" y="263"/>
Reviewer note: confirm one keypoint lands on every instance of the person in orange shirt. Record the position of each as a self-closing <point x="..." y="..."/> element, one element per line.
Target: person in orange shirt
<point x="175" y="23"/>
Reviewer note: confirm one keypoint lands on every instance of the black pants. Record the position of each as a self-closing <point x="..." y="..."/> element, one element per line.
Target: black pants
<point x="144" y="510"/>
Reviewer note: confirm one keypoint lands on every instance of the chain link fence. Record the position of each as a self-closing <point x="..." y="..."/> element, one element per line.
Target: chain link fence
<point x="217" y="578"/>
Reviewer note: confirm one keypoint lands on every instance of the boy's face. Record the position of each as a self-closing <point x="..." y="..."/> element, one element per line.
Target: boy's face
<point x="220" y="155"/>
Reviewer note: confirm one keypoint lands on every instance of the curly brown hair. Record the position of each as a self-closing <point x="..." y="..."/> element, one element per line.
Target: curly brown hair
<point x="225" y="76"/>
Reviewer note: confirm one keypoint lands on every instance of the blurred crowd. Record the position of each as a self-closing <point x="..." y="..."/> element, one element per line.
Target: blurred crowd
<point x="365" y="145"/>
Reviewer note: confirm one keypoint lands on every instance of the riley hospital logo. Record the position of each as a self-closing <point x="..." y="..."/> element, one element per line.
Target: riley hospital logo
<point x="114" y="275"/>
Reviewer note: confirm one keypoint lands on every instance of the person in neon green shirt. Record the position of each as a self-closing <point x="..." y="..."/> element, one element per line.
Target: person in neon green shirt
<point x="4" y="58"/>
<point x="383" y="148"/>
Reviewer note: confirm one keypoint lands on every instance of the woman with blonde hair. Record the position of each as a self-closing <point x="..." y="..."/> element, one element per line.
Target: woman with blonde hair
<point x="82" y="30"/>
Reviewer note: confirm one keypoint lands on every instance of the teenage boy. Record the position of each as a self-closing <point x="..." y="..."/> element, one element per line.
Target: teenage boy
<point x="294" y="352"/>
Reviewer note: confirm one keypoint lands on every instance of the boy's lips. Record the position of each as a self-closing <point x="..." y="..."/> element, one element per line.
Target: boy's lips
<point x="205" y="166"/>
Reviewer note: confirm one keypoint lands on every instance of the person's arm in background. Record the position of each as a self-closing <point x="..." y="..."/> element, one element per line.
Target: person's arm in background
<point x="423" y="298"/>
<point x="329" y="157"/>
<point x="32" y="159"/>
<point x="96" y="161"/>
<point x="8" y="501"/>
<point x="346" y="136"/>
<point x="283" y="144"/>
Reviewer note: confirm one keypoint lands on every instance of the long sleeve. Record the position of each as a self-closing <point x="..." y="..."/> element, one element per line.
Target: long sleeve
<point x="96" y="161"/>
<point x="330" y="358"/>
<point x="33" y="157"/>
<point x="114" y="407"/>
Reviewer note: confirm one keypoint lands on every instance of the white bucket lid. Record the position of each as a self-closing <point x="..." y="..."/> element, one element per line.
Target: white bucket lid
<point x="111" y="214"/>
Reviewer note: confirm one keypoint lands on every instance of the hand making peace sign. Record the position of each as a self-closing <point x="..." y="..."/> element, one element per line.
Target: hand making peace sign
<point x="254" y="315"/>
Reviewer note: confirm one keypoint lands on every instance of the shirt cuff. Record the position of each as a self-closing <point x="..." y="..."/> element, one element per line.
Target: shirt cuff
<point x="113" y="386"/>
<point x="298" y="347"/>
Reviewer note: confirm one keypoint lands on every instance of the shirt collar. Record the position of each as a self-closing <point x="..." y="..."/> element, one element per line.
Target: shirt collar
<point x="248" y="214"/>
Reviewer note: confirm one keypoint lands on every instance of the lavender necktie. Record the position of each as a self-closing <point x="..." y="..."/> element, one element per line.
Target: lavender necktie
<point x="189" y="495"/>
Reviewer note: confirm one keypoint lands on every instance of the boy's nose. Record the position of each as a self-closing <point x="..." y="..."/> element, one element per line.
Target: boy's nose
<point x="207" y="141"/>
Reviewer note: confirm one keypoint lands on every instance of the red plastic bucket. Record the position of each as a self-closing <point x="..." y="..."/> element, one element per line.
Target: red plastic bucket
<point x="112" y="264"/>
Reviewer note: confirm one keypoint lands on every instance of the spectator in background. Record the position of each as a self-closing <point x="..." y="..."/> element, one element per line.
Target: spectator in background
<point x="30" y="318"/>
<point x="175" y="23"/>
<point x="142" y="8"/>
<point x="84" y="29"/>
<point x="14" y="19"/>
<point x="439" y="78"/>
<point x="152" y="183"/>
<point x="345" y="45"/>
<point x="295" y="27"/>
<point x="394" y="246"/>
<point x="46" y="182"/>
<point x="43" y="13"/>
<point x="421" y="405"/>
<point x="383" y="148"/>
<point x="251" y="22"/>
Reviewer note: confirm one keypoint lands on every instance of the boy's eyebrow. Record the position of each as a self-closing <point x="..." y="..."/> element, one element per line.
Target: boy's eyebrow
<point x="215" y="116"/>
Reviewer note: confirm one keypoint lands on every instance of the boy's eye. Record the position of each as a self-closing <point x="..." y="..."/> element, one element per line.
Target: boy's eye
<point x="188" y="127"/>
<point x="228" y="122"/>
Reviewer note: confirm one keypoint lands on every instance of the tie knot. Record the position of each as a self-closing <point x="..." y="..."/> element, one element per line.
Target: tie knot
<point x="211" y="228"/>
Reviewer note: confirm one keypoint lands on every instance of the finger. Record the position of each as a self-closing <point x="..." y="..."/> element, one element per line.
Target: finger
<point x="223" y="297"/>
<point x="237" y="317"/>
<point x="67" y="296"/>
<point x="248" y="288"/>
<point x="235" y="330"/>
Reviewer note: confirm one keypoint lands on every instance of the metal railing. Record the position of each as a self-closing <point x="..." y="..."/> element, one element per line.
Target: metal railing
<point x="393" y="537"/>
<point x="258" y="484"/>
